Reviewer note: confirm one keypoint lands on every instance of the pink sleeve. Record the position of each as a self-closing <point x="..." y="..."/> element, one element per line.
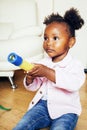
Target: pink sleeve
<point x="34" y="86"/>
<point x="70" y="80"/>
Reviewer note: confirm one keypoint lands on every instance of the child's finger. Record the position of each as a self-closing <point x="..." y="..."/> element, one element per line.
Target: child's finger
<point x="26" y="72"/>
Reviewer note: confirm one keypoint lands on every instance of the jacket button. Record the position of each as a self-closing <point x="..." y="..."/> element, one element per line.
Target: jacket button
<point x="32" y="102"/>
<point x="40" y="92"/>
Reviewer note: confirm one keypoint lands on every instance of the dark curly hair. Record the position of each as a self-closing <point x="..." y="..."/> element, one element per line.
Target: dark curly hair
<point x="71" y="18"/>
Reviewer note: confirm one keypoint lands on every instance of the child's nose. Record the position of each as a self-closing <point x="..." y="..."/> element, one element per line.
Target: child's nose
<point x="50" y="42"/>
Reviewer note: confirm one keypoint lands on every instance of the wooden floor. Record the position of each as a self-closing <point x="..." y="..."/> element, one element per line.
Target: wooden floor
<point x="19" y="99"/>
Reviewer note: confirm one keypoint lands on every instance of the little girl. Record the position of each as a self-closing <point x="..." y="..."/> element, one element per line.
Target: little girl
<point x="57" y="78"/>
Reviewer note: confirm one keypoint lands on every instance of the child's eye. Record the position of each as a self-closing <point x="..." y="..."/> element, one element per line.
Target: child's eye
<point x="55" y="38"/>
<point x="45" y="38"/>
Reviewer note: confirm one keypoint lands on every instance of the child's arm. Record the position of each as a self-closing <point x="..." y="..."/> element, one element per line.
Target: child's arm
<point x="32" y="84"/>
<point x="40" y="70"/>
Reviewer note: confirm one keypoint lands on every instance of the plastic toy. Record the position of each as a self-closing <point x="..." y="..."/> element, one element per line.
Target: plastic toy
<point x="18" y="61"/>
<point x="4" y="108"/>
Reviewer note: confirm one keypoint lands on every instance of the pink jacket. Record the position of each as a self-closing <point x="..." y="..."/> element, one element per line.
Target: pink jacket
<point x="62" y="96"/>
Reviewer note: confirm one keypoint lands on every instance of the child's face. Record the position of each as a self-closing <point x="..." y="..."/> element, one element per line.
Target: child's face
<point x="56" y="40"/>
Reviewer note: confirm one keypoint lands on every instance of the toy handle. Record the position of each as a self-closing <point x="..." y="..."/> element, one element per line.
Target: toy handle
<point x="18" y="61"/>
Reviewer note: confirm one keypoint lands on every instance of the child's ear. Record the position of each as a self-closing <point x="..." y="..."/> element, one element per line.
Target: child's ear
<point x="72" y="42"/>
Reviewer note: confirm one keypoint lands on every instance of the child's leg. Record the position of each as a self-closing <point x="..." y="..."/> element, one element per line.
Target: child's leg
<point x="35" y="118"/>
<point x="65" y="122"/>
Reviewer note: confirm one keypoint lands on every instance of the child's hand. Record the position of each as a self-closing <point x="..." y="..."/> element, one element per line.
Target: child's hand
<point x="40" y="70"/>
<point x="29" y="79"/>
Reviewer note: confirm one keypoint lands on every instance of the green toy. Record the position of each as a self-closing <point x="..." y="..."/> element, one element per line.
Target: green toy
<point x="4" y="108"/>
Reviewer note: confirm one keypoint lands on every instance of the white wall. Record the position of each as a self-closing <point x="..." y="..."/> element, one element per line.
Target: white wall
<point x="46" y="7"/>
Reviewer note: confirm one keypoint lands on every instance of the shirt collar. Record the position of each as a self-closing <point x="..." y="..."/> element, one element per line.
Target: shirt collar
<point x="63" y="63"/>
